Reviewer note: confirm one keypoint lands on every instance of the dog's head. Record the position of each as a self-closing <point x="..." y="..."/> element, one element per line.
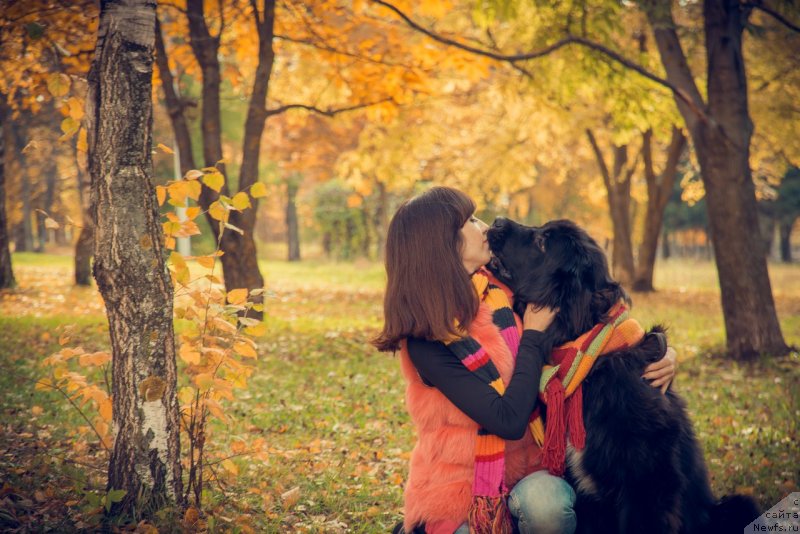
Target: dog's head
<point x="557" y="265"/>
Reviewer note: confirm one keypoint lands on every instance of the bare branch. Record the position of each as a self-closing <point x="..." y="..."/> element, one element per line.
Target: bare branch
<point x="567" y="40"/>
<point x="330" y="112"/>
<point x="774" y="14"/>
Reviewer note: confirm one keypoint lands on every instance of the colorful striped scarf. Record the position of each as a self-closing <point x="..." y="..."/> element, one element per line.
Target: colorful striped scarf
<point x="560" y="387"/>
<point x="488" y="512"/>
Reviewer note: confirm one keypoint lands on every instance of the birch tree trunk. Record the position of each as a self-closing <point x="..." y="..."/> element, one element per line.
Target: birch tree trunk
<point x="130" y="267"/>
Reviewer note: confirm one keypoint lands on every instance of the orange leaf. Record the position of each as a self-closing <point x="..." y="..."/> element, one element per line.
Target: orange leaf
<point x="204" y="381"/>
<point x="165" y="148"/>
<point x="237" y="296"/>
<point x="245" y="349"/>
<point x="161" y="194"/>
<point x="188" y="354"/>
<point x="105" y="409"/>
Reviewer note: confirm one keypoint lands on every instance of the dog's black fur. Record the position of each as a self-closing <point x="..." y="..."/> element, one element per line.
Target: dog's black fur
<point x="642" y="469"/>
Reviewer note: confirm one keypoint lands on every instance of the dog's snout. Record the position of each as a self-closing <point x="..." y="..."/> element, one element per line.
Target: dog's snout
<point x="497" y="233"/>
<point x="501" y="223"/>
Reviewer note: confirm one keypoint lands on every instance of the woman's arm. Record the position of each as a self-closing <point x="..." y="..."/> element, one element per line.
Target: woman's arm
<point x="503" y="415"/>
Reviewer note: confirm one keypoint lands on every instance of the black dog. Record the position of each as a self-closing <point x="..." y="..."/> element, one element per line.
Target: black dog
<point x="642" y="469"/>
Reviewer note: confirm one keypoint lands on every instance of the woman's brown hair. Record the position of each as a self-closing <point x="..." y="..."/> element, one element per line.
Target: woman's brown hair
<point x="427" y="288"/>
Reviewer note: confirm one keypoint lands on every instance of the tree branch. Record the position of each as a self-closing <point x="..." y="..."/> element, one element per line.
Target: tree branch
<point x="774" y="14"/>
<point x="568" y="40"/>
<point x="330" y="112"/>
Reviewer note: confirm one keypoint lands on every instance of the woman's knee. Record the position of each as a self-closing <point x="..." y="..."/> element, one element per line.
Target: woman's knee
<point x="543" y="503"/>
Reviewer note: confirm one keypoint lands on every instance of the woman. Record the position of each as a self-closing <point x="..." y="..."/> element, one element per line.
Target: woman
<point x="471" y="378"/>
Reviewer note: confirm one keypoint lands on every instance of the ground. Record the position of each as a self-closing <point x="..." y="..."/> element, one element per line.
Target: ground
<point x="320" y="441"/>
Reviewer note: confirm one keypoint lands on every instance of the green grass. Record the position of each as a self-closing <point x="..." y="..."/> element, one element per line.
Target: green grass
<point x="330" y="409"/>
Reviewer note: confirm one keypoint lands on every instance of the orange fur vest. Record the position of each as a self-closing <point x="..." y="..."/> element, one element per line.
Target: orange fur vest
<point x="439" y="485"/>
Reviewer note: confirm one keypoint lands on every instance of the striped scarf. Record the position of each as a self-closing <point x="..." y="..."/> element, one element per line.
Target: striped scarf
<point x="488" y="512"/>
<point x="560" y="387"/>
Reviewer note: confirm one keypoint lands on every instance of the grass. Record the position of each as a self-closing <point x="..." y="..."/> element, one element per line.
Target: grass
<point x="330" y="409"/>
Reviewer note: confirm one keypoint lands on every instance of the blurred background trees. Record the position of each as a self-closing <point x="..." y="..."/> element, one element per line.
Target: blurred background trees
<point x="342" y="110"/>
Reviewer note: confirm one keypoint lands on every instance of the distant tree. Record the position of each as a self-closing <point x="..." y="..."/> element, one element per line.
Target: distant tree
<point x="6" y="273"/>
<point x="787" y="210"/>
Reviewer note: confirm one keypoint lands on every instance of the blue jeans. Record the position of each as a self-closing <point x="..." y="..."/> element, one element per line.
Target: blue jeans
<point x="542" y="504"/>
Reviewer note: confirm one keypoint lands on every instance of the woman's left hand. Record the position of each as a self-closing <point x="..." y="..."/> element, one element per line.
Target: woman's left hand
<point x="662" y="372"/>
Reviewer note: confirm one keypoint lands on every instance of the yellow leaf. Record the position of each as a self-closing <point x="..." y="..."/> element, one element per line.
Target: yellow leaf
<point x="178" y="191"/>
<point x="51" y="224"/>
<point x="58" y="84"/>
<point x="188" y="354"/>
<point x="83" y="144"/>
<point x="69" y="126"/>
<point x="237" y="296"/>
<point x="217" y="211"/>
<point x="241" y="201"/>
<point x="95" y="358"/>
<point x="193" y="212"/>
<point x="204" y="381"/>
<point x="205" y="261"/>
<point x="164" y="148"/>
<point x="45" y="384"/>
<point x="37" y="410"/>
<point x="258" y="190"/>
<point x="186" y="395"/>
<point x="257" y="330"/>
<point x="194" y="174"/>
<point x="215" y="409"/>
<point x="161" y="194"/>
<point x="214" y="180"/>
<point x="193" y="189"/>
<point x="75" y="107"/>
<point x="106" y="409"/>
<point x="245" y="349"/>
<point x="230" y="467"/>
<point x="169" y="243"/>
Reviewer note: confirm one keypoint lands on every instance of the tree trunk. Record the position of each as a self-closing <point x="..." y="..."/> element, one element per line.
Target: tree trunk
<point x="292" y="226"/>
<point x="659" y="189"/>
<point x="130" y="267"/>
<point x="721" y="132"/>
<point x="6" y="273"/>
<point x="785" y="230"/>
<point x="239" y="263"/>
<point x="666" y="251"/>
<point x="85" y="244"/>
<point x="618" y="187"/>
<point x="381" y="220"/>
<point x="50" y="171"/>
<point x="24" y="234"/>
<point x="175" y="105"/>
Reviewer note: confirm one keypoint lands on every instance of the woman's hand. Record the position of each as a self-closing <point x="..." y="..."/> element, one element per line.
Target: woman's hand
<point x="536" y="318"/>
<point x="662" y="372"/>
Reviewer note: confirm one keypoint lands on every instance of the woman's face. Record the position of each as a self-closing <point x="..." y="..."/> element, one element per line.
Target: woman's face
<point x="474" y="248"/>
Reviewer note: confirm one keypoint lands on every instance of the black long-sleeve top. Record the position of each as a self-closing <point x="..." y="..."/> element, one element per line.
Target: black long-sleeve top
<point x="503" y="415"/>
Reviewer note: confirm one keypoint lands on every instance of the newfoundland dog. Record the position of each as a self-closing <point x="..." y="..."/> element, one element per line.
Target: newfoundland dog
<point x="641" y="470"/>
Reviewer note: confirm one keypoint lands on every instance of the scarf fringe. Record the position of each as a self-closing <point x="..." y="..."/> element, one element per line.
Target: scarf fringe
<point x="577" y="432"/>
<point x="490" y="515"/>
<point x="555" y="449"/>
